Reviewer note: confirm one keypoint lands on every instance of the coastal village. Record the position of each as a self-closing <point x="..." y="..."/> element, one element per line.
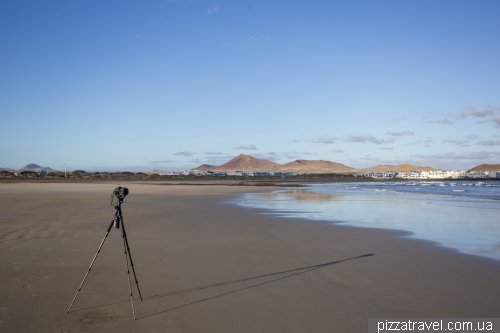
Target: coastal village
<point x="417" y="174"/>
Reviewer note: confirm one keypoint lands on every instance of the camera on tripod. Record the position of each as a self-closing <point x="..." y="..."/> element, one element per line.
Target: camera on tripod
<point x="117" y="197"/>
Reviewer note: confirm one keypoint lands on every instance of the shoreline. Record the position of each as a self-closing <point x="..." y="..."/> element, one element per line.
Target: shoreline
<point x="405" y="233"/>
<point x="205" y="264"/>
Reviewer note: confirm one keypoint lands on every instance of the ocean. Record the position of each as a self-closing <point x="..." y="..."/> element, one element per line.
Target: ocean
<point x="463" y="215"/>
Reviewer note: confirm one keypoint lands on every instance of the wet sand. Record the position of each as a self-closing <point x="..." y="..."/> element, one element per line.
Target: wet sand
<point x="204" y="265"/>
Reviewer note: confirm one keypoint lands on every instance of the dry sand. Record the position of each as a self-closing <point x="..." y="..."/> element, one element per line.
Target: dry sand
<point x="204" y="265"/>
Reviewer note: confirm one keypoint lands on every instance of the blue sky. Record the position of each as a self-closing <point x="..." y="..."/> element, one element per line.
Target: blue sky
<point x="138" y="85"/>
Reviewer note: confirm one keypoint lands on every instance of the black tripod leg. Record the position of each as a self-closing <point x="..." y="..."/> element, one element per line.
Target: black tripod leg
<point x="130" y="256"/>
<point x="91" y="264"/>
<point x="128" y="273"/>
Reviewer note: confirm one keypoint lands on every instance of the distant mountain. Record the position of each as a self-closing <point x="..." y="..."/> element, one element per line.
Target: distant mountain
<point x="487" y="167"/>
<point x="244" y="162"/>
<point x="318" y="166"/>
<point x="34" y="167"/>
<point x="7" y="169"/>
<point x="397" y="168"/>
<point x="205" y="167"/>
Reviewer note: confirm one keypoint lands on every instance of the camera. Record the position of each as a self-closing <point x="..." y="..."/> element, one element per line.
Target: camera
<point x="120" y="193"/>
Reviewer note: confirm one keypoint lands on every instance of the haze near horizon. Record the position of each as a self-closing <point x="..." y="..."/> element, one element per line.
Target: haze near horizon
<point x="173" y="84"/>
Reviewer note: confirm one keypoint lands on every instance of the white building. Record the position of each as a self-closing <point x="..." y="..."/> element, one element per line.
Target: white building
<point x="494" y="174"/>
<point x="437" y="174"/>
<point x="235" y="173"/>
<point x="455" y="174"/>
<point x="377" y="174"/>
<point x="476" y="174"/>
<point x="411" y="175"/>
<point x="389" y="174"/>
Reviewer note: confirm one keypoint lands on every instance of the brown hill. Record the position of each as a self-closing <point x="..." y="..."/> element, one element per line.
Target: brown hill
<point x="486" y="167"/>
<point x="205" y="167"/>
<point x="319" y="166"/>
<point x="244" y="162"/>
<point x="35" y="167"/>
<point x="7" y="169"/>
<point x="397" y="168"/>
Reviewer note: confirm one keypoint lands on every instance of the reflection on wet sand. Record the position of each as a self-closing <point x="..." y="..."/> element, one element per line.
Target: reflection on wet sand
<point x="467" y="224"/>
<point x="299" y="194"/>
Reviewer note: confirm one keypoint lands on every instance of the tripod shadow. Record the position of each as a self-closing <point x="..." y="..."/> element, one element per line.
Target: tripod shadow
<point x="295" y="272"/>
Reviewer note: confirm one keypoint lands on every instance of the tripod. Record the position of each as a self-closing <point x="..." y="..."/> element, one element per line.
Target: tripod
<point x="117" y="220"/>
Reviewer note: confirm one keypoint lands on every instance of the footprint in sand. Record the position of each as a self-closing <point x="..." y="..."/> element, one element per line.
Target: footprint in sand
<point x="16" y="268"/>
<point x="60" y="259"/>
<point x="60" y="264"/>
<point x="27" y="286"/>
<point x="92" y="320"/>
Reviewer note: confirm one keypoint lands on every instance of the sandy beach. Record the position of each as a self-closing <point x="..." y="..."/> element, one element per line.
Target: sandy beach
<point x="206" y="265"/>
